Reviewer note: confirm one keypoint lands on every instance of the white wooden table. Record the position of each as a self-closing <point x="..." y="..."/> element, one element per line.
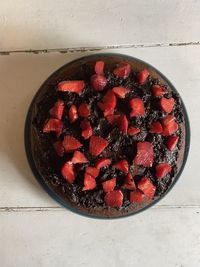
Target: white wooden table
<point x="37" y="37"/>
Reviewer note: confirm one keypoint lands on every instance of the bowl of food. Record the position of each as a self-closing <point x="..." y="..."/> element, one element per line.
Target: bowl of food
<point x="107" y="135"/>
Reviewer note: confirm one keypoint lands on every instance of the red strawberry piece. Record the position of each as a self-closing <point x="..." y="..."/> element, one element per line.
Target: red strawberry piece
<point x="89" y="182"/>
<point x="53" y="125"/>
<point x="84" y="110"/>
<point x="102" y="162"/>
<point x="71" y="86"/>
<point x="136" y="196"/>
<point x="73" y="114"/>
<point x="114" y="198"/>
<point x="169" y="125"/>
<point x="120" y="91"/>
<point x="94" y="172"/>
<point x="113" y="119"/>
<point x="57" y="110"/>
<point x="58" y="146"/>
<point x="121" y="165"/>
<point x="97" y="145"/>
<point x="108" y="103"/>
<point x="142" y="76"/>
<point x="133" y="131"/>
<point x="147" y="187"/>
<point x="172" y="142"/>
<point x="137" y="106"/>
<point x="157" y="90"/>
<point x="68" y="172"/>
<point x="123" y="70"/>
<point x="109" y="185"/>
<point x="129" y="182"/>
<point x="156" y="127"/>
<point x="86" y="129"/>
<point x="79" y="157"/>
<point x="98" y="82"/>
<point x="162" y="170"/>
<point x="99" y="67"/>
<point x="70" y="143"/>
<point x="123" y="124"/>
<point x="144" y="154"/>
<point x="167" y="104"/>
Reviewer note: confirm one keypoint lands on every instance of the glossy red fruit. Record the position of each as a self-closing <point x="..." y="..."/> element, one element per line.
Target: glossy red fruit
<point x="70" y="143"/>
<point x="144" y="154"/>
<point x="136" y="196"/>
<point x="142" y="76"/>
<point x="57" y="110"/>
<point x="156" y="127"/>
<point x="58" y="146"/>
<point x="98" y="82"/>
<point x="123" y="70"/>
<point x="120" y="91"/>
<point x="172" y="142"/>
<point x="162" y="170"/>
<point x="133" y="131"/>
<point x="113" y="119"/>
<point x="89" y="182"/>
<point x="121" y="165"/>
<point x="158" y="90"/>
<point x="94" y="172"/>
<point x="109" y="185"/>
<point x="83" y="110"/>
<point x="123" y="124"/>
<point x="99" y="67"/>
<point x="146" y="186"/>
<point x="68" y="172"/>
<point x="137" y="106"/>
<point x="169" y="125"/>
<point x="73" y="114"/>
<point x="71" y="86"/>
<point x="97" y="145"/>
<point x="108" y="103"/>
<point x="102" y="162"/>
<point x="114" y="198"/>
<point x="129" y="182"/>
<point x="167" y="104"/>
<point x="79" y="157"/>
<point x="86" y="129"/>
<point x="53" y="125"/>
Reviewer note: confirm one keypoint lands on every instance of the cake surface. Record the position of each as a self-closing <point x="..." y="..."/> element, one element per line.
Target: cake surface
<point x="108" y="135"/>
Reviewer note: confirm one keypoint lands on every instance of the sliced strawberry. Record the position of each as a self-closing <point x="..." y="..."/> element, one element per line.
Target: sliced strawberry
<point x="114" y="198"/>
<point x="68" y="172"/>
<point x="121" y="165"/>
<point x="109" y="185"/>
<point x="157" y="90"/>
<point x="79" y="157"/>
<point x="123" y="70"/>
<point x="89" y="182"/>
<point x="169" y="125"/>
<point x="137" y="106"/>
<point x="99" y="67"/>
<point x="129" y="182"/>
<point x="94" y="172"/>
<point x="120" y="91"/>
<point x="97" y="145"/>
<point x="113" y="119"/>
<point x="86" y="129"/>
<point x="147" y="187"/>
<point x="172" y="142"/>
<point x="71" y="86"/>
<point x="123" y="124"/>
<point x="167" y="104"/>
<point x="57" y="110"/>
<point x="162" y="170"/>
<point x="102" y="162"/>
<point x="73" y="114"/>
<point x="142" y="76"/>
<point x="136" y="196"/>
<point x="98" y="82"/>
<point x="58" y="146"/>
<point x="53" y="125"/>
<point x="144" y="154"/>
<point x="84" y="110"/>
<point x="133" y="131"/>
<point x="156" y="127"/>
<point x="70" y="143"/>
<point x="108" y="103"/>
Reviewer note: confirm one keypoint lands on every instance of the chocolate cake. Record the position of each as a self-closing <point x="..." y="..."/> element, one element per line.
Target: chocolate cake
<point x="107" y="135"/>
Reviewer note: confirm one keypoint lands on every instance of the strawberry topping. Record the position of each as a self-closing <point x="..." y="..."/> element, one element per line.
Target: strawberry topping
<point x="146" y="186"/>
<point x="86" y="129"/>
<point x="142" y="76"/>
<point x="99" y="67"/>
<point x="172" y="142"/>
<point x="109" y="185"/>
<point x="123" y="70"/>
<point x="136" y="196"/>
<point x="144" y="154"/>
<point x="73" y="114"/>
<point x="98" y="82"/>
<point x="58" y="146"/>
<point x="132" y="131"/>
<point x="94" y="172"/>
<point x="68" y="172"/>
<point x="129" y="182"/>
<point x="102" y="162"/>
<point x="156" y="127"/>
<point x="169" y="125"/>
<point x="121" y="165"/>
<point x="53" y="125"/>
<point x="114" y="198"/>
<point x="120" y="91"/>
<point x="167" y="104"/>
<point x="157" y="90"/>
<point x="57" y="110"/>
<point x="84" y="110"/>
<point x="89" y="182"/>
<point x="71" y="86"/>
<point x="79" y="157"/>
<point x="97" y="145"/>
<point x="70" y="143"/>
<point x="137" y="107"/>
<point x="162" y="170"/>
<point x="108" y="103"/>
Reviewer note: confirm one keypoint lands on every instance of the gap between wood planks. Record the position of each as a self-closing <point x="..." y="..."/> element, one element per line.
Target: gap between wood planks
<point x="89" y="49"/>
